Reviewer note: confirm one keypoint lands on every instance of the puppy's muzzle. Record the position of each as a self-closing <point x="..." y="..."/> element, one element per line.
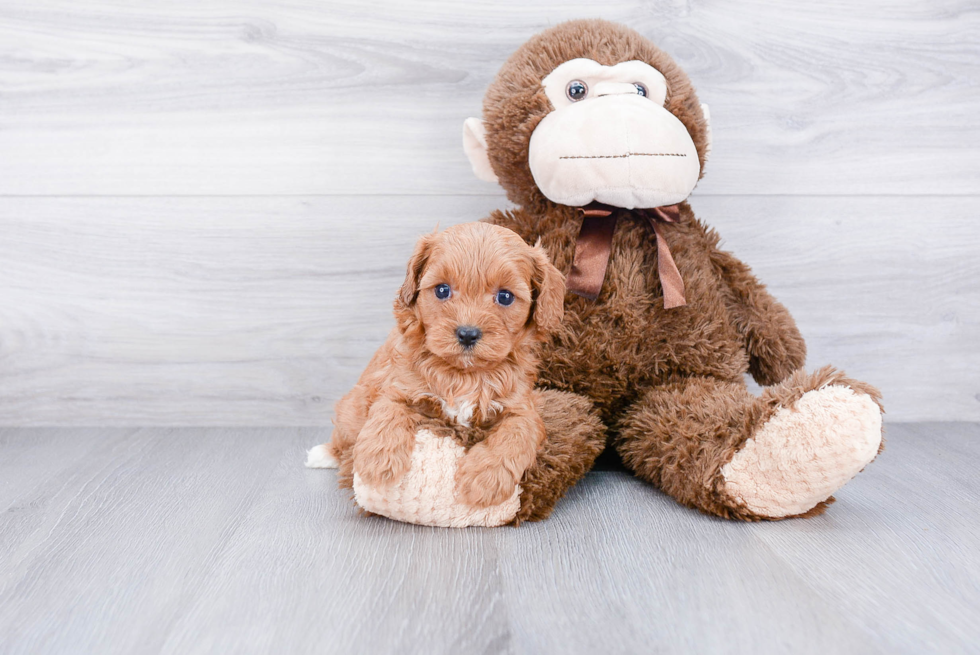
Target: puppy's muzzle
<point x="467" y="335"/>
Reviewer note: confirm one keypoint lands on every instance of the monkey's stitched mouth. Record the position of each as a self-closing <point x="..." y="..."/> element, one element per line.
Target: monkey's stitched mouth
<point x="629" y="154"/>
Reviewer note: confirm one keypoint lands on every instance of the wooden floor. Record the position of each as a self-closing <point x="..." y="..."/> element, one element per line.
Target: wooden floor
<point x="218" y="540"/>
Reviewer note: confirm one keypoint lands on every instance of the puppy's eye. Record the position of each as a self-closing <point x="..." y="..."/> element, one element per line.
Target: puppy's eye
<point x="640" y="89"/>
<point x="504" y="297"/>
<point x="443" y="291"/>
<point x="576" y="90"/>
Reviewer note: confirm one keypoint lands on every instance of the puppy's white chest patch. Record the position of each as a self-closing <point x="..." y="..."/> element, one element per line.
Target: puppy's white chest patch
<point x="460" y="413"/>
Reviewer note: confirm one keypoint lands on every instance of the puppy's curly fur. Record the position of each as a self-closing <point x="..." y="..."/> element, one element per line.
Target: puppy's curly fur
<point x="424" y="374"/>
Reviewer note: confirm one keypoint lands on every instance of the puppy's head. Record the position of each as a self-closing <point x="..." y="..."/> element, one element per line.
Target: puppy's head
<point x="476" y="292"/>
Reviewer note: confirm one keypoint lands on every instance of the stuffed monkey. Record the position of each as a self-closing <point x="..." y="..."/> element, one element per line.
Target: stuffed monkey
<point x="598" y="137"/>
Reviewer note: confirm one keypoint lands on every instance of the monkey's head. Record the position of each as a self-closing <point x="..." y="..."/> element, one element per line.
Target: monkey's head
<point x="590" y="110"/>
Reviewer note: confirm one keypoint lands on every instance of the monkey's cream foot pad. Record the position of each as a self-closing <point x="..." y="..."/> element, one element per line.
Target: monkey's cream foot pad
<point x="426" y="495"/>
<point x="806" y="452"/>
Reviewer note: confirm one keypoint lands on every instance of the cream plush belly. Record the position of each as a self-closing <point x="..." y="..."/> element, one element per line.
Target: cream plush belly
<point x="427" y="493"/>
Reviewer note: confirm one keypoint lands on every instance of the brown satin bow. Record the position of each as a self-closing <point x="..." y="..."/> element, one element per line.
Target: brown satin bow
<point x="595" y="244"/>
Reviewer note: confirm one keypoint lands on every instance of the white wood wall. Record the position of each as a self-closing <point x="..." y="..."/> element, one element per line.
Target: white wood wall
<point x="205" y="207"/>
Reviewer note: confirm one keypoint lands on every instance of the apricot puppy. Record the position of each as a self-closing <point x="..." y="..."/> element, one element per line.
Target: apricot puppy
<point x="475" y="304"/>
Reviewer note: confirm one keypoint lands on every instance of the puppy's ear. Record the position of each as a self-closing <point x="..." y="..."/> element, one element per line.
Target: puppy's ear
<point x="416" y="266"/>
<point x="548" y="285"/>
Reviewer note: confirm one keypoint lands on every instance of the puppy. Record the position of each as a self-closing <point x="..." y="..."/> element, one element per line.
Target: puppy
<point x="475" y="303"/>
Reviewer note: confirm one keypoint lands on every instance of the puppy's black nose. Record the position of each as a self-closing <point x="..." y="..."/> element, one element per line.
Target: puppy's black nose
<point x="467" y="335"/>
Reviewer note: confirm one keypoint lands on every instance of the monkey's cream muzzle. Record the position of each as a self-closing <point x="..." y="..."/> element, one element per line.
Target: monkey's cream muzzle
<point x="621" y="150"/>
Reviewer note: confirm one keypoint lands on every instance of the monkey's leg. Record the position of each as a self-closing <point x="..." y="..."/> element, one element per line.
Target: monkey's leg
<point x="712" y="445"/>
<point x="574" y="438"/>
<point x="427" y="494"/>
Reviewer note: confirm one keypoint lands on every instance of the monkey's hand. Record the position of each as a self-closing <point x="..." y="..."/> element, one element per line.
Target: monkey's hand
<point x="773" y="342"/>
<point x="776" y="349"/>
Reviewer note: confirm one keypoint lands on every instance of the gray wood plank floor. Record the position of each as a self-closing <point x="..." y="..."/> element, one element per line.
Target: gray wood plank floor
<point x="211" y="540"/>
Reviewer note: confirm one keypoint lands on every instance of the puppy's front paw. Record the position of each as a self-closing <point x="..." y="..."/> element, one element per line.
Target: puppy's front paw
<point x="382" y="463"/>
<point x="482" y="480"/>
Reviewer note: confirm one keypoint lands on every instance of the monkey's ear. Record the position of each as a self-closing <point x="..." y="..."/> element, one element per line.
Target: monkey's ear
<point x="475" y="146"/>
<point x="549" y="293"/>
<point x="416" y="266"/>
<point x="707" y="127"/>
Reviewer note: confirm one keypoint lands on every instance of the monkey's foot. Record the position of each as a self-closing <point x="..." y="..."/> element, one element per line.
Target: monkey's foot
<point x="427" y="493"/>
<point x="805" y="452"/>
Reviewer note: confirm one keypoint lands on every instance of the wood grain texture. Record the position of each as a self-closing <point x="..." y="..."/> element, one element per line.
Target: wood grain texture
<point x="259" y="97"/>
<point x="930" y="542"/>
<point x="217" y="540"/>
<point x="263" y="311"/>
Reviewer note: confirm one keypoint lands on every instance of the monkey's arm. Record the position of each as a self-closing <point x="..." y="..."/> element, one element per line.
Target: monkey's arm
<point x="775" y="345"/>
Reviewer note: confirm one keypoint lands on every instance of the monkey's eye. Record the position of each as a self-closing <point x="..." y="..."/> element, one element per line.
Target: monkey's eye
<point x="576" y="90"/>
<point x="504" y="297"/>
<point x="640" y="89"/>
<point x="443" y="291"/>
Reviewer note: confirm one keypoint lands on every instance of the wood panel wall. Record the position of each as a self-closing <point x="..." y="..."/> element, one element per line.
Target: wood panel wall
<point x="205" y="207"/>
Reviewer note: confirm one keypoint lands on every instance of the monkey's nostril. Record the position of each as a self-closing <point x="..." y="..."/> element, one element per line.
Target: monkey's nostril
<point x="468" y="335"/>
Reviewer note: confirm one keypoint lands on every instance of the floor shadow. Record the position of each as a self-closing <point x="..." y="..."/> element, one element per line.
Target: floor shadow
<point x="609" y="460"/>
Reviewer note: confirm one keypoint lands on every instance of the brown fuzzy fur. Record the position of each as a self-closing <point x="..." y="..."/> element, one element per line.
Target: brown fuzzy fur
<point x="690" y="427"/>
<point x="576" y="436"/>
<point x="516" y="102"/>
<point x="422" y="367"/>
<point x="668" y="384"/>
